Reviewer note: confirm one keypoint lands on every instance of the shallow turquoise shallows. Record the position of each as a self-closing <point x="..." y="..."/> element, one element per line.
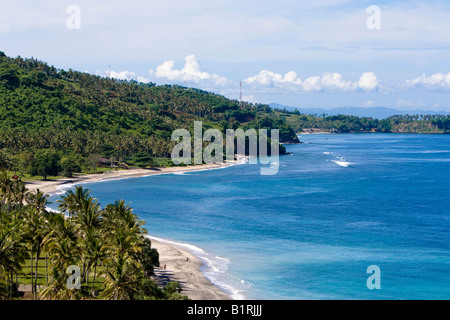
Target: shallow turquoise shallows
<point x="339" y="204"/>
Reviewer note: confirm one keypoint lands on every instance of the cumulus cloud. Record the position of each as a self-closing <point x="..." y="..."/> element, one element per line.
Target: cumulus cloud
<point x="368" y="82"/>
<point x="271" y="79"/>
<point x="191" y="72"/>
<point x="122" y="75"/>
<point x="436" y="81"/>
<point x="142" y="79"/>
<point x="327" y="82"/>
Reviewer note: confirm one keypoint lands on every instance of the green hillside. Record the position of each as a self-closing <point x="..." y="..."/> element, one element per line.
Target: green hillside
<point x="351" y="124"/>
<point x="77" y="118"/>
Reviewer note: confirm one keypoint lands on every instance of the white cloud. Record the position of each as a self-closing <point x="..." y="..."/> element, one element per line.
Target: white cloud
<point x="122" y="75"/>
<point x="271" y="79"/>
<point x="334" y="81"/>
<point x="191" y="72"/>
<point x="312" y="84"/>
<point x="368" y="82"/>
<point x="327" y="82"/>
<point x="434" y="82"/>
<point x="142" y="79"/>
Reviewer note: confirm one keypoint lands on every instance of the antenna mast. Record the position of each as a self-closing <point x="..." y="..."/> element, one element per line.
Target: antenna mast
<point x="240" y="94"/>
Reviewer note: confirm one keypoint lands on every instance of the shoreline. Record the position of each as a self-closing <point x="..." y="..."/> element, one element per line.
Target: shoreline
<point x="314" y="132"/>
<point x="181" y="264"/>
<point x="50" y="187"/>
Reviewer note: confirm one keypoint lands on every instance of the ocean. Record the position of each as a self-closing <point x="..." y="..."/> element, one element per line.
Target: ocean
<point x="338" y="205"/>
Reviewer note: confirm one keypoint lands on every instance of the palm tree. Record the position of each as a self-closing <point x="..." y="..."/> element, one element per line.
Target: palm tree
<point x="64" y="253"/>
<point x="38" y="201"/>
<point x="5" y="187"/>
<point x="7" y="262"/>
<point x="73" y="201"/>
<point x="18" y="193"/>
<point x="121" y="277"/>
<point x="124" y="229"/>
<point x="122" y="214"/>
<point x="95" y="250"/>
<point x="62" y="247"/>
<point x="5" y="162"/>
<point x="124" y="235"/>
<point x="88" y="215"/>
<point x="88" y="219"/>
<point x="12" y="249"/>
<point x="37" y="229"/>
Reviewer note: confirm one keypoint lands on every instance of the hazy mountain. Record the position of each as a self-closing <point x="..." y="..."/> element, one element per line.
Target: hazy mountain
<point x="372" y="112"/>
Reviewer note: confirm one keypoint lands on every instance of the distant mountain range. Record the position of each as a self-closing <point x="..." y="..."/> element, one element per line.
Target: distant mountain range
<point x="371" y="112"/>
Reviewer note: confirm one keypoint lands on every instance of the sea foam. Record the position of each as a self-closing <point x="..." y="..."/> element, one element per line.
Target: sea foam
<point x="343" y="163"/>
<point x="214" y="268"/>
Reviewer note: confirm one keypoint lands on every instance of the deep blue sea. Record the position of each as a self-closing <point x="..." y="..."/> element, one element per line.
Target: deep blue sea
<point x="339" y="204"/>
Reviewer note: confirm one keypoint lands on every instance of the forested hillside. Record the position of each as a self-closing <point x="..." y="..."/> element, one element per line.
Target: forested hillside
<point x="74" y="118"/>
<point x="345" y="124"/>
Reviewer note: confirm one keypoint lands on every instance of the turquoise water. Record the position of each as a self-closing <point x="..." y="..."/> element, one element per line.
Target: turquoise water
<point x="338" y="205"/>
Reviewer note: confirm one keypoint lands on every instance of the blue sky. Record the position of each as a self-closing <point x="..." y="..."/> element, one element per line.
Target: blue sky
<point x="300" y="53"/>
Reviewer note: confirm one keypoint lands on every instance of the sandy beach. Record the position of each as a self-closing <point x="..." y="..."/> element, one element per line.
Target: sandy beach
<point x="51" y="186"/>
<point x="314" y="132"/>
<point x="180" y="264"/>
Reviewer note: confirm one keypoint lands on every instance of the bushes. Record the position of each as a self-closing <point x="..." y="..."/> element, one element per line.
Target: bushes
<point x="45" y="163"/>
<point x="149" y="290"/>
<point x="141" y="160"/>
<point x="70" y="164"/>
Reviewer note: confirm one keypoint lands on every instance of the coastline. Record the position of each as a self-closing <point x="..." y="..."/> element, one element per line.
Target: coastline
<point x="314" y="132"/>
<point x="51" y="187"/>
<point x="181" y="265"/>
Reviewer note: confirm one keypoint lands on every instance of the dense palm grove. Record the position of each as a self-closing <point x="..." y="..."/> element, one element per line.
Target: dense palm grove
<point x="108" y="245"/>
<point x="78" y="115"/>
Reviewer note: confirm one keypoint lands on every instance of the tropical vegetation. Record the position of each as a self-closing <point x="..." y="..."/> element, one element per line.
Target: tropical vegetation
<point x="352" y="124"/>
<point x="54" y="121"/>
<point x="106" y="245"/>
